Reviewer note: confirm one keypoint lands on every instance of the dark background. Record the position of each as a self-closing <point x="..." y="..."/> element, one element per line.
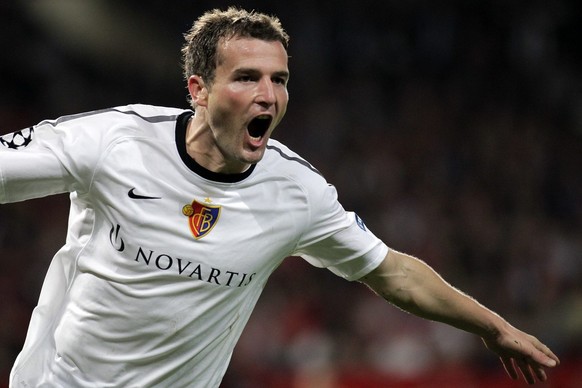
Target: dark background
<point x="453" y="128"/>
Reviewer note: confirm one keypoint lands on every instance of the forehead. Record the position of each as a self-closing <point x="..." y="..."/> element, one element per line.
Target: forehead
<point x="239" y="52"/>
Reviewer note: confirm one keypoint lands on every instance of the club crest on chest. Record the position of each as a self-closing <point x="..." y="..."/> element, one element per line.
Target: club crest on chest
<point x="201" y="217"/>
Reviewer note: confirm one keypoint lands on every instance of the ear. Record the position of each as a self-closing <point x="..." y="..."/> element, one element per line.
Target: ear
<point x="198" y="90"/>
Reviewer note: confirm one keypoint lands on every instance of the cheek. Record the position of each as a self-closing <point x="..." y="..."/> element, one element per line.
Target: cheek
<point x="229" y="103"/>
<point x="223" y="110"/>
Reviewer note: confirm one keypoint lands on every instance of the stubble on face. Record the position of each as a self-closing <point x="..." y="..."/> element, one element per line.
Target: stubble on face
<point x="246" y="100"/>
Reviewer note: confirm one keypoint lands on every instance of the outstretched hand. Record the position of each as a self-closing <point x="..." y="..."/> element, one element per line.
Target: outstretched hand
<point x="520" y="351"/>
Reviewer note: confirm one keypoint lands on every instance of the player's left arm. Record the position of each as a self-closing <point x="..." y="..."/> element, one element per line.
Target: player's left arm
<point x="414" y="286"/>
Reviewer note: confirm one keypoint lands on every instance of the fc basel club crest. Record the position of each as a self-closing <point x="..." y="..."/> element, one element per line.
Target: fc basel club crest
<point x="201" y="217"/>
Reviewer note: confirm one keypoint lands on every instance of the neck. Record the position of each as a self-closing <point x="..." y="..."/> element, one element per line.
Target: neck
<point x="201" y="146"/>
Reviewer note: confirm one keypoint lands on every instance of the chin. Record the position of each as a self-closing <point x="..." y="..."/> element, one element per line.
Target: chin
<point x="252" y="157"/>
<point x="254" y="160"/>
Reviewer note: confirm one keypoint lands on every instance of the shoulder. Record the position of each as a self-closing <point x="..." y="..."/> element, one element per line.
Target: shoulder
<point x="120" y="115"/>
<point x="280" y="157"/>
<point x="90" y="133"/>
<point x="280" y="163"/>
<point x="149" y="113"/>
<point x="113" y="123"/>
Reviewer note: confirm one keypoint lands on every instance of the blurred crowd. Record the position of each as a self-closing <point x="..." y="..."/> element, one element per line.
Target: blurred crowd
<point x="454" y="130"/>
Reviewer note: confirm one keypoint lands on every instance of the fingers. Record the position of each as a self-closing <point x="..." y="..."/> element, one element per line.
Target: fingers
<point x="509" y="367"/>
<point x="526" y="371"/>
<point x="551" y="359"/>
<point x="540" y="373"/>
<point x="523" y="356"/>
<point x="530" y="371"/>
<point x="533" y="365"/>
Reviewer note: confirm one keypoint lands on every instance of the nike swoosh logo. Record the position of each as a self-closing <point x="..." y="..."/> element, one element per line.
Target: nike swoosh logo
<point x="133" y="195"/>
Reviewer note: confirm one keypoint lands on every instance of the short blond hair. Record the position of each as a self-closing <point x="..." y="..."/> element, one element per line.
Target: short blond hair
<point x="199" y="53"/>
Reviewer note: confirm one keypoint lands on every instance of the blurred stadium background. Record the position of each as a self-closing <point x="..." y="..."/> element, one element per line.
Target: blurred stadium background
<point x="453" y="128"/>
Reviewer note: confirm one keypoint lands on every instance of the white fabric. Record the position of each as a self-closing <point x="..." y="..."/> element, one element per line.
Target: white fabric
<point x="134" y="299"/>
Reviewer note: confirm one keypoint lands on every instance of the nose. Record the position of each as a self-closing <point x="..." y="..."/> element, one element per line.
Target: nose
<point x="265" y="92"/>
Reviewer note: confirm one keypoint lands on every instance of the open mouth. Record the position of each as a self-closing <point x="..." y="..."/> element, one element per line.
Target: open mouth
<point x="258" y="126"/>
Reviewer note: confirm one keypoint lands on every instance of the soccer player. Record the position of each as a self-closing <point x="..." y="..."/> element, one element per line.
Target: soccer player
<point x="178" y="217"/>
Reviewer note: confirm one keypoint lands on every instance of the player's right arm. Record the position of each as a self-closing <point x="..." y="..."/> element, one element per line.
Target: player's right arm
<point x="54" y="156"/>
<point x="27" y="169"/>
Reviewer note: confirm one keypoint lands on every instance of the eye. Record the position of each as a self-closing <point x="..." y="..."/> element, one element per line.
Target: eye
<point x="280" y="80"/>
<point x="244" y="78"/>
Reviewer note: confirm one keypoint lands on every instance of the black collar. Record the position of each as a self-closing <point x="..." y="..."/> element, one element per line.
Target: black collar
<point x="181" y="127"/>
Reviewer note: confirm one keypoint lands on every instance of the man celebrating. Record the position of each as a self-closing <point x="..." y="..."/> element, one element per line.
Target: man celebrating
<point x="178" y="217"/>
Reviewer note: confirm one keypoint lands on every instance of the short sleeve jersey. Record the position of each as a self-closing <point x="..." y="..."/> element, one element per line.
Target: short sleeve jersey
<point x="163" y="260"/>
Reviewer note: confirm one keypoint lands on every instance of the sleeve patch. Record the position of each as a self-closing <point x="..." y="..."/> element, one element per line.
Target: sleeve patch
<point x="360" y="222"/>
<point x="17" y="140"/>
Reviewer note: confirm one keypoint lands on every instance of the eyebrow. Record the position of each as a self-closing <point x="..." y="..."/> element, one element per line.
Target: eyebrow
<point x="251" y="70"/>
<point x="284" y="74"/>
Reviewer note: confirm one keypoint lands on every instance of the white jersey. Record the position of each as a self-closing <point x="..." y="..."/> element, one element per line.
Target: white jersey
<point x="164" y="260"/>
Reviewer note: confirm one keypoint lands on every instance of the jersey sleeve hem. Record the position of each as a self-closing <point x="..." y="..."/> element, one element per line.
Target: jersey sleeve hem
<point x="371" y="265"/>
